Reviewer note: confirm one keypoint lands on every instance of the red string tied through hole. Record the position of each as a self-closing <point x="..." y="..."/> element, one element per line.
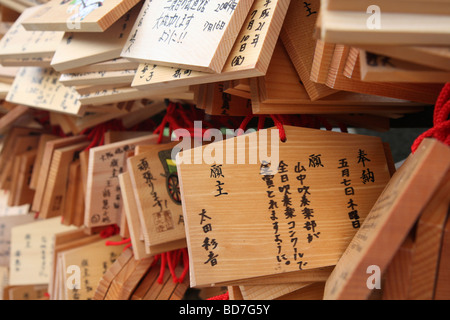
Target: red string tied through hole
<point x="171" y="259"/>
<point x="441" y="122"/>
<point x="278" y="121"/>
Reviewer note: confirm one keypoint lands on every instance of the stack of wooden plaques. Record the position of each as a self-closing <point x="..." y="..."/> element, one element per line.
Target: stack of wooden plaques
<point x="382" y="44"/>
<point x="251" y="61"/>
<point x="20" y="5"/>
<point x="73" y="70"/>
<point x="266" y="76"/>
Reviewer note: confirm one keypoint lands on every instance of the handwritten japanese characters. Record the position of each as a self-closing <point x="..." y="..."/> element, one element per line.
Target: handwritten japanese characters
<point x="347" y="185"/>
<point x="40" y="88"/>
<point x="155" y="180"/>
<point x="390" y="219"/>
<point x="93" y="260"/>
<point x="6" y="224"/>
<point x="195" y="35"/>
<point x="297" y="35"/>
<point x="243" y="60"/>
<point x="277" y="217"/>
<point x="103" y="199"/>
<point x="209" y="244"/>
<point x="32" y="249"/>
<point x="219" y="102"/>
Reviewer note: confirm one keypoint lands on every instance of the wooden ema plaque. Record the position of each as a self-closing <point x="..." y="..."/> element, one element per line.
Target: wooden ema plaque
<point x="78" y="15"/>
<point x="113" y="78"/>
<point x="122" y="94"/>
<point x="375" y="67"/>
<point x="94" y="260"/>
<point x="131" y="213"/>
<point x="32" y="249"/>
<point x="103" y="196"/>
<point x="20" y="43"/>
<point x="433" y="57"/>
<point x="400" y="6"/>
<point x="79" y="49"/>
<point x="195" y="35"/>
<point x="242" y="224"/>
<point x="218" y="102"/>
<point x="6" y="224"/>
<point x="249" y="57"/>
<point x="39" y="87"/>
<point x="155" y="181"/>
<point x="54" y="196"/>
<point x="297" y="36"/>
<point x="390" y="220"/>
<point x="351" y="27"/>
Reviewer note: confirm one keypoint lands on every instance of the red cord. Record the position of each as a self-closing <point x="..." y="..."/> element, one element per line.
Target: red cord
<point x="110" y="231"/>
<point x="117" y="243"/>
<point x="185" y="265"/>
<point x="261" y="120"/>
<point x="171" y="265"/>
<point x="244" y="124"/>
<point x="94" y="136"/>
<point x="277" y="119"/>
<point x="224" y="296"/>
<point x="441" y="122"/>
<point x="280" y="127"/>
<point x="162" y="268"/>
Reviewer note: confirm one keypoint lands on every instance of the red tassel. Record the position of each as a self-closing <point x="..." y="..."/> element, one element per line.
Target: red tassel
<point x="441" y="123"/>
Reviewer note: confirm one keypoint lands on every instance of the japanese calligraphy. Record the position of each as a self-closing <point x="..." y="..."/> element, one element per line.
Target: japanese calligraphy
<point x="209" y="244"/>
<point x="162" y="218"/>
<point x="255" y="28"/>
<point x="309" y="10"/>
<point x="349" y="191"/>
<point x="111" y="195"/>
<point x="305" y="203"/>
<point x="216" y="172"/>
